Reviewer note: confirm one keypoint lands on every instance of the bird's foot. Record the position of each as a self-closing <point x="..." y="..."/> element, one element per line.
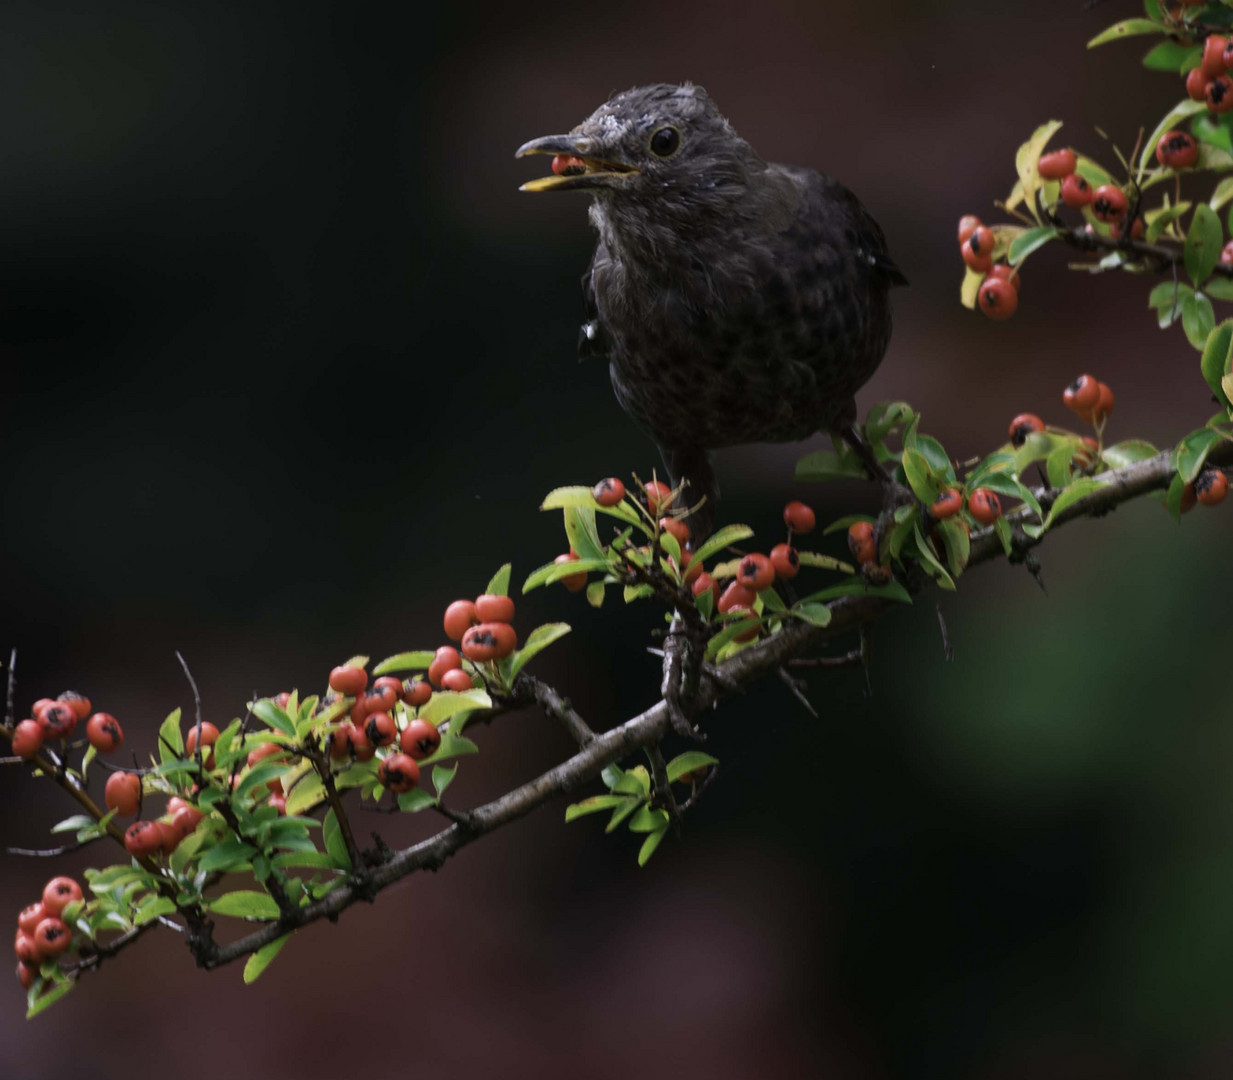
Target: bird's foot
<point x="682" y="668"/>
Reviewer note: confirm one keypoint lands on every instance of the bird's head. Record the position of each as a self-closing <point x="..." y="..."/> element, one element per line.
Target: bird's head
<point x="647" y="143"/>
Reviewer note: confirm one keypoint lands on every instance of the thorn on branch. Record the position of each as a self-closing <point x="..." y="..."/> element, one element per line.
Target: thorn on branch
<point x="698" y="792"/>
<point x="947" y="648"/>
<point x="797" y="689"/>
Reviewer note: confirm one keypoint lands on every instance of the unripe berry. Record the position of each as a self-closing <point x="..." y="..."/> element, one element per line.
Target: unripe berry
<point x="420" y="739"/>
<point x="459" y="617"/>
<point x="104" y="733"/>
<point x="608" y="492"/>
<point x="122" y="793"/>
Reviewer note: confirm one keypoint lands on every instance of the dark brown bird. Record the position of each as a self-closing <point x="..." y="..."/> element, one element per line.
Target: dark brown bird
<point x="735" y="301"/>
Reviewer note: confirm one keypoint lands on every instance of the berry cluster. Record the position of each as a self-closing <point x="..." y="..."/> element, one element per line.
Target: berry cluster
<point x="42" y="932"/>
<point x="371" y="722"/>
<point x="55" y="719"/>
<point x="999" y="292"/>
<point x="1209" y="82"/>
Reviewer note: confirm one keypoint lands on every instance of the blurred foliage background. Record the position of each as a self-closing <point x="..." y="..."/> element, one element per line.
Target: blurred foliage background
<point x="288" y="364"/>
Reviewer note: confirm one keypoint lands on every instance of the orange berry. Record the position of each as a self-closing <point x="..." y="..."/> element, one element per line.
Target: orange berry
<point x="456" y="679"/>
<point x="1211" y="486"/>
<point x="420" y="739"/>
<point x="104" y="733"/>
<point x="946" y="505"/>
<point x="658" y="496"/>
<point x="27" y="739"/>
<point x="998" y="298"/>
<point x="492" y="608"/>
<point x="968" y="224"/>
<point x="573" y="582"/>
<point x="984" y="506"/>
<point x="785" y="560"/>
<point x="1081" y="395"/>
<point x="608" y="492"/>
<point x="1057" y="165"/>
<point x="755" y="572"/>
<point x="399" y="773"/>
<point x="977" y="250"/>
<point x="459" y="617"/>
<point x="122" y="793"/>
<point x="348" y="680"/>
<point x="1023" y="425"/>
<point x="799" y="517"/>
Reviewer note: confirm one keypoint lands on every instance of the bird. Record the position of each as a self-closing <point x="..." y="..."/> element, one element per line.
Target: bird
<point x="735" y="301"/>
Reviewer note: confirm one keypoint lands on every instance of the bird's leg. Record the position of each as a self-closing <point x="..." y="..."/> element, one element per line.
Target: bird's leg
<point x="693" y="465"/>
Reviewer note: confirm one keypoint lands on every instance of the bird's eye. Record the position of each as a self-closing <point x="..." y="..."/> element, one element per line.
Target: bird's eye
<point x="665" y="142"/>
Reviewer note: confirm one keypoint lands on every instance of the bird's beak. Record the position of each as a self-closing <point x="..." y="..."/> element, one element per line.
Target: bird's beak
<point x="582" y="170"/>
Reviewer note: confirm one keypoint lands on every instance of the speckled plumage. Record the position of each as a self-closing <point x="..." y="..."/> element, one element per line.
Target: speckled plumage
<point x="735" y="301"/>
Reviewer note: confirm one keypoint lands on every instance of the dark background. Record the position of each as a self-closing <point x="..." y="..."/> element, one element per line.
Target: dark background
<point x="288" y="363"/>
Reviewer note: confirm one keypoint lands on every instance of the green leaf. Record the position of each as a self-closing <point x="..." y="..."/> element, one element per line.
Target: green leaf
<point x="257" y="777"/>
<point x="1160" y="219"/>
<point x="262" y="958"/>
<point x="320" y="860"/>
<point x="772" y="602"/>
<point x="884" y="418"/>
<point x="920" y="479"/>
<point x="537" y="641"/>
<point x="930" y="562"/>
<point x="1167" y="298"/>
<point x="957" y="543"/>
<point x="1203" y="242"/>
<point x="823" y="562"/>
<point x="412" y="802"/>
<point x="443" y="777"/>
<point x="269" y="713"/>
<point x="1220" y="287"/>
<point x="823" y="465"/>
<point x="627" y="807"/>
<point x="1006" y="484"/>
<point x="226" y="855"/>
<point x="499" y="585"/>
<point x="1028" y="242"/>
<point x="814" y="614"/>
<point x="170" y="741"/>
<point x="160" y="905"/>
<point x="583" y="536"/>
<point x="71" y="824"/>
<point x="1217" y="359"/>
<point x="1126" y="453"/>
<point x="1057" y="466"/>
<point x="562" y="497"/>
<point x="48" y="999"/>
<point x="635" y="781"/>
<point x="245" y="904"/>
<point x="331" y="835"/>
<point x="1192" y="452"/>
<point x="1198" y="319"/>
<point x="1079" y="489"/>
<point x="594" y="805"/>
<point x="1182" y="111"/>
<point x="688" y="762"/>
<point x="446" y="703"/>
<point x="306" y="794"/>
<point x="1171" y="56"/>
<point x="595" y="594"/>
<point x="417" y="660"/>
<point x="1124" y="29"/>
<point x="649" y="845"/>
<point x="857" y="587"/>
<point x="554" y="571"/>
<point x="648" y="819"/>
<point x="1028" y="156"/>
<point x="729" y="534"/>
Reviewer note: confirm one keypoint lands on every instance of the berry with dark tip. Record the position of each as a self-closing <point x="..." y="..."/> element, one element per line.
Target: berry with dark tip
<point x="786" y="561"/>
<point x="399" y="773"/>
<point x="968" y="224"/>
<point x="608" y="492"/>
<point x="1005" y="272"/>
<point x="1077" y="192"/>
<point x="978" y="249"/>
<point x="860" y="541"/>
<point x="416" y="693"/>
<point x="380" y="729"/>
<point x="755" y="572"/>
<point x="1211" y="486"/>
<point x="459" y="618"/>
<point x="1057" y="165"/>
<point x="382" y="698"/>
<point x="348" y="680"/>
<point x="104" y="732"/>
<point x="57" y="720"/>
<point x="1177" y="150"/>
<point x="420" y="739"/>
<point x="1219" y="94"/>
<point x="947" y="504"/>
<point x="1023" y="425"/>
<point x="1081" y="395"/>
<point x="1109" y="204"/>
<point x="143" y="839"/>
<point x="79" y="703"/>
<point x="573" y="582"/>
<point x="998" y="298"/>
<point x="362" y="748"/>
<point x="58" y="893"/>
<point x="984" y="506"/>
<point x="122" y="793"/>
<point x="799" y="517"/>
<point x="27" y="739"/>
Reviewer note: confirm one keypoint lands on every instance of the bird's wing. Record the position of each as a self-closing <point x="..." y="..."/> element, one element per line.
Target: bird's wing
<point x="592" y="336"/>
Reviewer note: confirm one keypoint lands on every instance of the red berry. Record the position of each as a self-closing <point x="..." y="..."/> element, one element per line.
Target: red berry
<point x="742" y="612"/>
<point x="185" y="820"/>
<point x="348" y="680"/>
<point x="1104" y="405"/>
<point x="568" y="165"/>
<point x="658" y="496"/>
<point x="1081" y="395"/>
<point x="702" y="583"/>
<point x="676" y="528"/>
<point x="998" y="299"/>
<point x="26" y="947"/>
<point x="608" y="492"/>
<point x="57" y="720"/>
<point x="279" y="802"/>
<point x="458" y="617"/>
<point x="58" y="893"/>
<point x="416" y="692"/>
<point x="143" y="839"/>
<point x="1177" y="150"/>
<point x="380" y="729"/>
<point x="1023" y="425"/>
<point x="361" y="745"/>
<point x="283" y="700"/>
<point x="27" y="739"/>
<point x="420" y="739"/>
<point x="492" y="608"/>
<point x="260" y="753"/>
<point x="946" y="505"/>
<point x="122" y="793"/>
<point x="1219" y="94"/>
<point x="785" y="560"/>
<point x="1226" y="253"/>
<point x="382" y="698"/>
<point x="860" y="541"/>
<point x="984" y="506"/>
<point x="1057" y="165"/>
<point x="31" y="916"/>
<point x="1188" y="499"/>
<point x="169" y="836"/>
<point x="1213" y="63"/>
<point x="103" y="731"/>
<point x="399" y="773"/>
<point x="1084" y="456"/>
<point x="1211" y="486"/>
<point x="1196" y="85"/>
<point x="1003" y="272"/>
<point x="799" y="518"/>
<point x="978" y="249"/>
<point x="209" y="736"/>
<point x="755" y="572"/>
<point x="1136" y="230"/>
<point x="340" y="741"/>
<point x="968" y="224"/>
<point x="79" y="703"/>
<point x="1076" y="192"/>
<point x="1109" y="204"/>
<point x="573" y="582"/>
<point x="735" y="595"/>
<point x="445" y="659"/>
<point x="27" y="974"/>
<point x="456" y="679"/>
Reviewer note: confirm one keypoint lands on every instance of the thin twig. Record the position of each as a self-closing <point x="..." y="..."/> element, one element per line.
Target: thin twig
<point x="663" y="786"/>
<point x="555" y="706"/>
<point x="51" y="853"/>
<point x="795" y="687"/>
<point x="10" y="713"/>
